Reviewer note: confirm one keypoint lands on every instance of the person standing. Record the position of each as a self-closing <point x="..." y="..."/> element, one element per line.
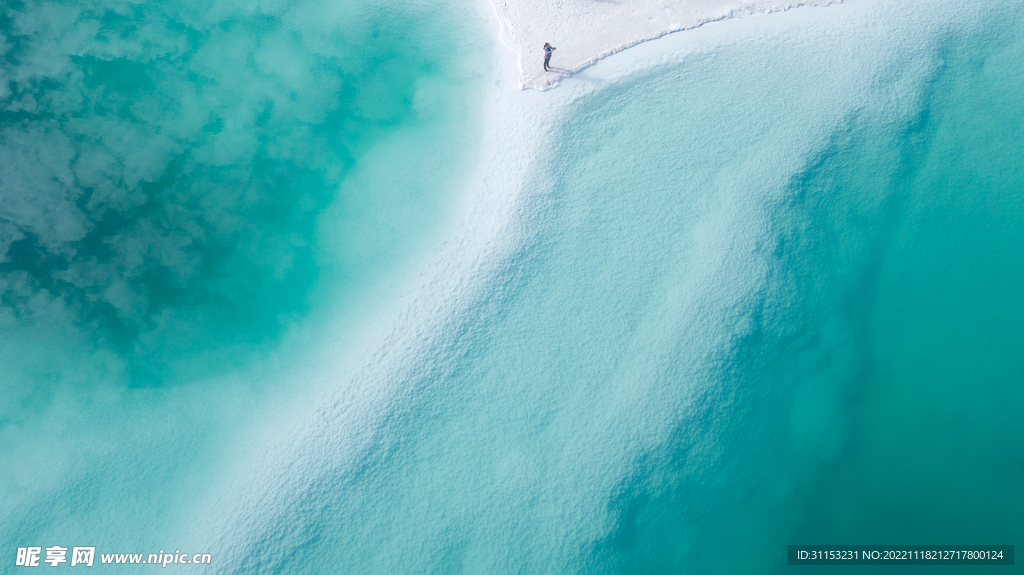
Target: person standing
<point x="548" y="49"/>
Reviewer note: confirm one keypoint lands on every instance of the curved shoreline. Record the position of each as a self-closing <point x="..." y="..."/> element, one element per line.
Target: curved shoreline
<point x="586" y="31"/>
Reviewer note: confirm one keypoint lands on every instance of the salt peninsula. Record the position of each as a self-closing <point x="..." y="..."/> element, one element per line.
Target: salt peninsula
<point x="584" y="31"/>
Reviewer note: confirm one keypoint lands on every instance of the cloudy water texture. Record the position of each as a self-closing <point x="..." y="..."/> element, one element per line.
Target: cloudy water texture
<point x="171" y="171"/>
<point x="764" y="291"/>
<point x="188" y="192"/>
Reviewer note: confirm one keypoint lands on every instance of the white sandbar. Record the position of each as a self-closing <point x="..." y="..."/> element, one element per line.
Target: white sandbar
<point x="584" y="31"/>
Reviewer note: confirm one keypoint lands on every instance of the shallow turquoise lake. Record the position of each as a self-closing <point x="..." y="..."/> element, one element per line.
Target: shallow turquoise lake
<point x="759" y="294"/>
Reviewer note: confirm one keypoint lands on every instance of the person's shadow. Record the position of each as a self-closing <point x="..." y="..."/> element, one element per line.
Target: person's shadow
<point x="557" y="69"/>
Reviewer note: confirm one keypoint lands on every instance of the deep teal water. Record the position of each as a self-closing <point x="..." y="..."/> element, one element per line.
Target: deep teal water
<point x="897" y="348"/>
<point x="768" y="294"/>
<point x="720" y="333"/>
<point x="935" y="454"/>
<point x="760" y="299"/>
<point x="189" y="193"/>
<point x="171" y="173"/>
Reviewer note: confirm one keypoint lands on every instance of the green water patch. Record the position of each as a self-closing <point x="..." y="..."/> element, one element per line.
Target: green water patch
<point x="775" y="403"/>
<point x="866" y="391"/>
<point x="936" y="453"/>
<point x="167" y="170"/>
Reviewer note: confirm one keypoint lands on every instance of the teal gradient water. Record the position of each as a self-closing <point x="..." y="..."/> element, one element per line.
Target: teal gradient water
<point x="707" y="345"/>
<point x="766" y="294"/>
<point x="876" y="397"/>
<point x="936" y="450"/>
<point x="184" y="187"/>
<point x="172" y="173"/>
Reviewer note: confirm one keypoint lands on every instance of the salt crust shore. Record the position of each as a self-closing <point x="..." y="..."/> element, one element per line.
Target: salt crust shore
<point x="296" y="453"/>
<point x="584" y="31"/>
<point x="324" y="438"/>
<point x="311" y="456"/>
<point x="323" y="458"/>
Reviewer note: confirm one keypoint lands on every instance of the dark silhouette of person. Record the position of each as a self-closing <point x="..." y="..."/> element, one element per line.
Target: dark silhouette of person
<point x="548" y="49"/>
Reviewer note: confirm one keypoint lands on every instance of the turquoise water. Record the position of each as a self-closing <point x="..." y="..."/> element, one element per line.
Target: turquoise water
<point x="709" y="342"/>
<point x="188" y="192"/>
<point x="173" y="174"/>
<point x="765" y="295"/>
<point x="936" y="448"/>
<point x="876" y="398"/>
<point x="868" y="388"/>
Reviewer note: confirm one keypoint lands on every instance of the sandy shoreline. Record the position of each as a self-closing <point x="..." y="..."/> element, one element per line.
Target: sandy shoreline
<point x="584" y="31"/>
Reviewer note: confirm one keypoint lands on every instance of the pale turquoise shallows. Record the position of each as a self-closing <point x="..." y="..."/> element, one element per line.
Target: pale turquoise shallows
<point x="718" y="335"/>
<point x="874" y="394"/>
<point x="767" y="294"/>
